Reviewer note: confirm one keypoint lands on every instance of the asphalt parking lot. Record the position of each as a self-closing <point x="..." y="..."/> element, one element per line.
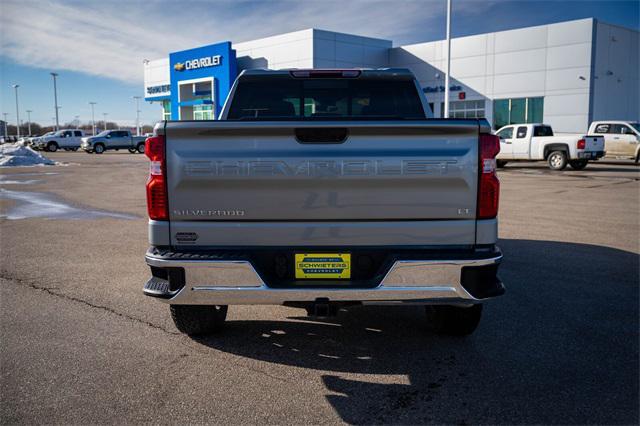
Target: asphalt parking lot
<point x="81" y="344"/>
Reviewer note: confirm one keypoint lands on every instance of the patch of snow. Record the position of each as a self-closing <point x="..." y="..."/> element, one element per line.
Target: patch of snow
<point x="38" y="173"/>
<point x="14" y="155"/>
<point x="4" y="181"/>
<point x="38" y="204"/>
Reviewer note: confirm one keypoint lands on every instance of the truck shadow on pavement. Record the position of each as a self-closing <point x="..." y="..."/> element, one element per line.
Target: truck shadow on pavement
<point x="561" y="346"/>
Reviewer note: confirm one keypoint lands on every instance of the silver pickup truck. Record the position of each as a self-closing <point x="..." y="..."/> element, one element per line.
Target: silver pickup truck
<point x="321" y="189"/>
<point x="113" y="140"/>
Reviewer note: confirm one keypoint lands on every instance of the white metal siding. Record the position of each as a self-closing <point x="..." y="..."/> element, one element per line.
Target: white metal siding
<point x="290" y="50"/>
<point x="156" y="73"/>
<point x="547" y="60"/>
<point x="616" y="92"/>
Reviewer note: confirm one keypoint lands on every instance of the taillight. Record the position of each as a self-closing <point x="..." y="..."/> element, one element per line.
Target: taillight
<point x="488" y="183"/>
<point x="582" y="144"/>
<point x="157" y="204"/>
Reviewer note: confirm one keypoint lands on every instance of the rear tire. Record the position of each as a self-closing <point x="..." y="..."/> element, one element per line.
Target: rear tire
<point x="453" y="320"/>
<point x="197" y="320"/>
<point x="578" y="164"/>
<point x="52" y="147"/>
<point x="140" y="148"/>
<point x="557" y="160"/>
<point x="98" y="148"/>
<point x="133" y="150"/>
<point x="501" y="163"/>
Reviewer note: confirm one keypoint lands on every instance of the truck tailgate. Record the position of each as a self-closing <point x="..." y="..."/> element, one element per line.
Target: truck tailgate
<point x="339" y="176"/>
<point x="594" y="143"/>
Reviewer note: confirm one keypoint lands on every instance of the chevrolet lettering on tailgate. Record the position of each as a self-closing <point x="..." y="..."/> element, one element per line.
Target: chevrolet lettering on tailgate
<point x="319" y="168"/>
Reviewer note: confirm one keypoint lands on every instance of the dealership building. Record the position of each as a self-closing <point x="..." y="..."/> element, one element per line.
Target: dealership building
<point x="565" y="74"/>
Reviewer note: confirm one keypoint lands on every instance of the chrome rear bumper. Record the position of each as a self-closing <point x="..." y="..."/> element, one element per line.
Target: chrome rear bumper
<point x="593" y="155"/>
<point x="236" y="282"/>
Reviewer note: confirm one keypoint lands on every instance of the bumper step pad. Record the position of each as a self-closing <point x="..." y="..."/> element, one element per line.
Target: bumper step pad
<point x="157" y="287"/>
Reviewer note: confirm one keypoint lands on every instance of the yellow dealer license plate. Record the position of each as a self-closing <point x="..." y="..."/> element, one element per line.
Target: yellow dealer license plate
<point x="323" y="265"/>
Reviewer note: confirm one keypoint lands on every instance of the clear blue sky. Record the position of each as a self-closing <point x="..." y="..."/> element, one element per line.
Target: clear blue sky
<point x="97" y="47"/>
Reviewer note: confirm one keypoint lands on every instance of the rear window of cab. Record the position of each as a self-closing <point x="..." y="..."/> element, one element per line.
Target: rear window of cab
<point x="288" y="98"/>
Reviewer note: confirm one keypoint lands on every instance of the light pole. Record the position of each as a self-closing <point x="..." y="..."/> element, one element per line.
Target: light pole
<point x="77" y="120"/>
<point x="104" y="115"/>
<point x="5" y="124"/>
<point x="55" y="98"/>
<point x="29" y="119"/>
<point x="137" y="98"/>
<point x="93" y="119"/>
<point x="15" y="86"/>
<point x="446" y="76"/>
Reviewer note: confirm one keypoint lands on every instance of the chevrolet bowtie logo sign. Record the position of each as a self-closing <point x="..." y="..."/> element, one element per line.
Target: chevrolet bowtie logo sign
<point x="207" y="61"/>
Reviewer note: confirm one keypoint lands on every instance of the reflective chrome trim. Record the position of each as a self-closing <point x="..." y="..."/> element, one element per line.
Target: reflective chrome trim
<point x="212" y="273"/>
<point x="277" y="296"/>
<point x="420" y="273"/>
<point x="211" y="282"/>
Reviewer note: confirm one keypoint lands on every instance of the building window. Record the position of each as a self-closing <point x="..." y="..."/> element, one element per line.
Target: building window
<point x="463" y="109"/>
<point x="166" y="110"/>
<point x="534" y="110"/>
<point x="203" y="112"/>
<point x="195" y="99"/>
<point x="466" y="109"/>
<point x="517" y="111"/>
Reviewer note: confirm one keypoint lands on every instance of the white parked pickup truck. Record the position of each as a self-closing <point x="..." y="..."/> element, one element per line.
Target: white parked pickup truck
<point x="621" y="138"/>
<point x="67" y="139"/>
<point x="536" y="142"/>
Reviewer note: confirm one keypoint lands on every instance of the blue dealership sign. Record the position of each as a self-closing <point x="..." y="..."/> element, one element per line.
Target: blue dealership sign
<point x="216" y="62"/>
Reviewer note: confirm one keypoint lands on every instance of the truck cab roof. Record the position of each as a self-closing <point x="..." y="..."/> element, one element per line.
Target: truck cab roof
<point x="527" y="124"/>
<point x="328" y="72"/>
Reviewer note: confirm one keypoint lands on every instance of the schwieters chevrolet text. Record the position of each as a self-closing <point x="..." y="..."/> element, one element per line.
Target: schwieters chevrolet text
<point x="320" y="189"/>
